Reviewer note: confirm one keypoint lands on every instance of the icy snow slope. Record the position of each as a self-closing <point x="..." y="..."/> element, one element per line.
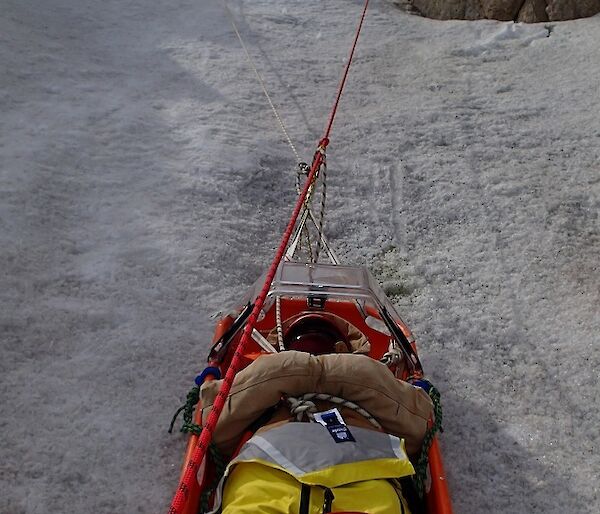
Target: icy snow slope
<point x="144" y="185"/>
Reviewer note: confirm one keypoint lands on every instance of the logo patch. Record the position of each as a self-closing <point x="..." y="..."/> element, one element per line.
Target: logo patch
<point x="336" y="426"/>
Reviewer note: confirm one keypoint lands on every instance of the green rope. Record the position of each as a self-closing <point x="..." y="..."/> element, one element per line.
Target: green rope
<point x="220" y="466"/>
<point x="189" y="427"/>
<point x="423" y="461"/>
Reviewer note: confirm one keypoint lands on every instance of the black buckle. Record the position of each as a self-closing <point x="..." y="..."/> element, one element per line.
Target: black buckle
<point x="316" y="302"/>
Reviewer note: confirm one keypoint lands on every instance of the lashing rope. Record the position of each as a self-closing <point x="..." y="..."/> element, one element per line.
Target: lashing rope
<point x="303" y="232"/>
<point x="279" y="323"/>
<point x="322" y="210"/>
<point x="304" y="406"/>
<point x="203" y="441"/>
<point x="302" y="229"/>
<point x="423" y="461"/>
<point x="189" y="427"/>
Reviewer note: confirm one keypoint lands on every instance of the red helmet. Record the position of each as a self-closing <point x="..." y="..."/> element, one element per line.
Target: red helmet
<point x="313" y="333"/>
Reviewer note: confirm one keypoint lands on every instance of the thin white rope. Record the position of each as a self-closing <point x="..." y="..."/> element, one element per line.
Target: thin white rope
<point x="303" y="406"/>
<point x="323" y="176"/>
<point x="279" y="323"/>
<point x="261" y="81"/>
<point x="303" y="229"/>
<point x="291" y="251"/>
<point x="330" y="253"/>
<point x="295" y="245"/>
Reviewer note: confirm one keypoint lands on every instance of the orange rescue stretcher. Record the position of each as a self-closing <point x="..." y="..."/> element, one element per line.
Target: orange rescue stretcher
<point x="348" y="292"/>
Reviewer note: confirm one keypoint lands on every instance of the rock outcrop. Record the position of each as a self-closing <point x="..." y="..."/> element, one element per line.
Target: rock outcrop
<point x="530" y="11"/>
<point x="571" y="9"/>
<point x="500" y="9"/>
<point x="533" y="11"/>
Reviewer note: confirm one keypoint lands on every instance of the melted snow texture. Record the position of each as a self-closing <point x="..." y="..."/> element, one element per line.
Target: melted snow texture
<point x="144" y="186"/>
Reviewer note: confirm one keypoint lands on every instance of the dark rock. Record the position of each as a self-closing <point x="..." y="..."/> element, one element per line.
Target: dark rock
<point x="530" y="11"/>
<point x="571" y="9"/>
<point x="501" y="9"/>
<point x="533" y="11"/>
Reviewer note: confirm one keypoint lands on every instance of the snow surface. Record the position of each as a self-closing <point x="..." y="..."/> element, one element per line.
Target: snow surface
<point x="144" y="186"/>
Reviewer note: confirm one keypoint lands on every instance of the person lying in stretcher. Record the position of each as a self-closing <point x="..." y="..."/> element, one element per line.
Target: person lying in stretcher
<point x="337" y="429"/>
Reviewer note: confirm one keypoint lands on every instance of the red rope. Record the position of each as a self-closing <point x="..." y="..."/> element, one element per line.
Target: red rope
<point x="343" y="81"/>
<point x="181" y="495"/>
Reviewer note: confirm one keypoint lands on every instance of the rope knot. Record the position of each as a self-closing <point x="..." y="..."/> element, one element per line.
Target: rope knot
<point x="303" y="168"/>
<point x="392" y="356"/>
<point x="300" y="407"/>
